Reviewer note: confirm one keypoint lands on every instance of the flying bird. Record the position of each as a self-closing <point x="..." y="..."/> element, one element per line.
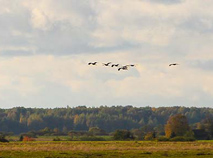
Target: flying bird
<point x="107" y="64"/>
<point x="123" y="67"/>
<point x="132" y="65"/>
<point x="116" y="65"/>
<point x="173" y="64"/>
<point x="92" y="63"/>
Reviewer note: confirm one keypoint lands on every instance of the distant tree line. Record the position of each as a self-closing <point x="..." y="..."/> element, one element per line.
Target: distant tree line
<point x="143" y="122"/>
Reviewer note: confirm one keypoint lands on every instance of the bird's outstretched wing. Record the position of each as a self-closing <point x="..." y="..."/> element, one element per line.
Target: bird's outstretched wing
<point x="92" y="63"/>
<point x="174" y="64"/>
<point x="106" y="64"/>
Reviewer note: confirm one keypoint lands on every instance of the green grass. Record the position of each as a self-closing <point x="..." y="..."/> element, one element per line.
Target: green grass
<point x="81" y="149"/>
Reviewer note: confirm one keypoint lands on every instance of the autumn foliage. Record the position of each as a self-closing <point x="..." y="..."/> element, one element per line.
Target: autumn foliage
<point x="26" y="138"/>
<point x="177" y="125"/>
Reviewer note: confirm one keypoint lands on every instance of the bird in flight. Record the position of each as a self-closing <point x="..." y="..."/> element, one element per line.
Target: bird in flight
<point x="94" y="63"/>
<point x="173" y="64"/>
<point x="120" y="67"/>
<point x="123" y="67"/>
<point x="107" y="64"/>
<point x="132" y="65"/>
<point x="116" y="65"/>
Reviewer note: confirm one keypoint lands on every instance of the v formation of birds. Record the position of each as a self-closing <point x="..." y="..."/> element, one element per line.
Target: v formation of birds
<point x="122" y="67"/>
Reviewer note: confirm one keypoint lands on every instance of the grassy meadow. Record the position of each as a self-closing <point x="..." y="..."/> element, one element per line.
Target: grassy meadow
<point x="47" y="149"/>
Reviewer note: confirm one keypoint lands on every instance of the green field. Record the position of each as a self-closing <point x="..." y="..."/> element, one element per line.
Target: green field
<point x="47" y="149"/>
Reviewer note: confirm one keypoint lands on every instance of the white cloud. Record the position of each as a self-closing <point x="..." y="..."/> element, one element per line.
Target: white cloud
<point x="39" y="19"/>
<point x="96" y="85"/>
<point x="135" y="22"/>
<point x="48" y="12"/>
<point x="70" y="27"/>
<point x="141" y="22"/>
<point x="45" y="47"/>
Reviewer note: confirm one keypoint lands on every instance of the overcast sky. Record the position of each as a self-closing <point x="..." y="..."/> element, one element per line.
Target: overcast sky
<point x="45" y="46"/>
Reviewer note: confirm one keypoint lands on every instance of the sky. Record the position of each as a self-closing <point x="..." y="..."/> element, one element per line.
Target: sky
<point x="45" y="47"/>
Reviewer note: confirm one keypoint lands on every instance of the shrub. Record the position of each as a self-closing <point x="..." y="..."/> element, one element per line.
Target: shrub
<point x="2" y="139"/>
<point x="57" y="139"/>
<point x="189" y="139"/>
<point x="178" y="138"/>
<point x="149" y="136"/>
<point x="31" y="134"/>
<point x="21" y="138"/>
<point x="122" y="135"/>
<point x="162" y="138"/>
<point x="96" y="131"/>
<point x="26" y="138"/>
<point x="181" y="138"/>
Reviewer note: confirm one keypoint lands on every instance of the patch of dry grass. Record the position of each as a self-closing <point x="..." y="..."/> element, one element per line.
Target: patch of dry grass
<point x="104" y="145"/>
<point x="109" y="148"/>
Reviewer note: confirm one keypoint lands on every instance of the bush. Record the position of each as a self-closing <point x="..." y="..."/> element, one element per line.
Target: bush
<point x="26" y="138"/>
<point x="57" y="139"/>
<point x="123" y="135"/>
<point x="150" y="136"/>
<point x="96" y="131"/>
<point x="30" y="134"/>
<point x="162" y="138"/>
<point x="21" y="138"/>
<point x="2" y="139"/>
<point x="181" y="138"/>
<point x="190" y="139"/>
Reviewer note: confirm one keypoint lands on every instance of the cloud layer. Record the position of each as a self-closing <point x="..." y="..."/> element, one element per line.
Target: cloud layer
<point x="45" y="47"/>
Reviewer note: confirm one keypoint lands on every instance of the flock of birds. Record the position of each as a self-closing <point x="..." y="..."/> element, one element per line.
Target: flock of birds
<point x="121" y="67"/>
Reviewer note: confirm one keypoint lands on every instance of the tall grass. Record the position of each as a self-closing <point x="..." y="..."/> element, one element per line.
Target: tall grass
<point x="202" y="149"/>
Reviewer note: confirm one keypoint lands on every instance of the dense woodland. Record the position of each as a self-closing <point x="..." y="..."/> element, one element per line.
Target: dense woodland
<point x="21" y="120"/>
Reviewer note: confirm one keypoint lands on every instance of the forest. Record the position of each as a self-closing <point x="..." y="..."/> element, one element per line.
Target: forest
<point x="62" y="120"/>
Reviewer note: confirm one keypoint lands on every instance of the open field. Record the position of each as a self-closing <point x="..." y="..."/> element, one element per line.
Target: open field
<point x="201" y="149"/>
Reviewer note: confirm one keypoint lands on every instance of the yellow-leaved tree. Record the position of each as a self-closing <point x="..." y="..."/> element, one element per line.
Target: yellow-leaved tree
<point x="177" y="125"/>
